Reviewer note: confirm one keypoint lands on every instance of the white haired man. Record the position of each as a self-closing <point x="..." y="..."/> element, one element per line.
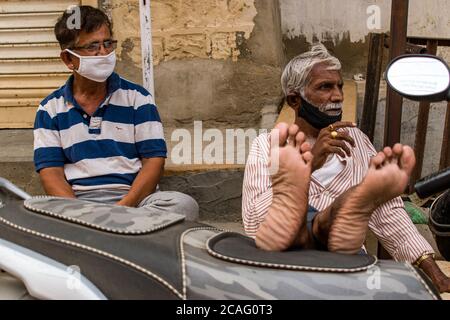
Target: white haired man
<point x="331" y="185"/>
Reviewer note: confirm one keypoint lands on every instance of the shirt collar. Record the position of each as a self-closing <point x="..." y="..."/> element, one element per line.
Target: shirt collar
<point x="113" y="85"/>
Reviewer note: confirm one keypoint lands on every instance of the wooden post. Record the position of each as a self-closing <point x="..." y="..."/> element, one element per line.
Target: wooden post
<point x="146" y="46"/>
<point x="445" y="152"/>
<point x="393" y="117"/>
<point x="421" y="131"/>
<point x="398" y="35"/>
<point x="373" y="77"/>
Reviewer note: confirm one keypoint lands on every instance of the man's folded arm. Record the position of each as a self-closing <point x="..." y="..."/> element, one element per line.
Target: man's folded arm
<point x="145" y="182"/>
<point x="54" y="182"/>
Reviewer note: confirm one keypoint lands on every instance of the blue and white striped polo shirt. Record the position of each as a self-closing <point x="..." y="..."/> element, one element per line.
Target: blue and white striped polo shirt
<point x="102" y="151"/>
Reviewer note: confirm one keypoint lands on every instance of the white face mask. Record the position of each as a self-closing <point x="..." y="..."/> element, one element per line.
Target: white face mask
<point x="96" y="68"/>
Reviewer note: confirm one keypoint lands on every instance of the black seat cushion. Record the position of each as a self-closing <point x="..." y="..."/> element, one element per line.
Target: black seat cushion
<point x="238" y="248"/>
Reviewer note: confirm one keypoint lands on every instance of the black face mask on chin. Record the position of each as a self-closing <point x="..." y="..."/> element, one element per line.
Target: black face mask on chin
<point x="316" y="118"/>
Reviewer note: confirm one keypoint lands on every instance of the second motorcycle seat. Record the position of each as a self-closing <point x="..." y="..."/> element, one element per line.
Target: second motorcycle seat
<point x="237" y="248"/>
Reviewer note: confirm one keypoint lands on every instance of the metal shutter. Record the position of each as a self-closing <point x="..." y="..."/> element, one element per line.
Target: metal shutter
<point x="30" y="67"/>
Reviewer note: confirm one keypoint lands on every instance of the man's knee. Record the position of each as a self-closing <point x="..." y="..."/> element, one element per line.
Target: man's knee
<point x="186" y="205"/>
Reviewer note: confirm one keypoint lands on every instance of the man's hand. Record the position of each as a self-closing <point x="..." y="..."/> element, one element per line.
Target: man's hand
<point x="443" y="285"/>
<point x="326" y="144"/>
<point x="145" y="182"/>
<point x="54" y="182"/>
<point x="440" y="280"/>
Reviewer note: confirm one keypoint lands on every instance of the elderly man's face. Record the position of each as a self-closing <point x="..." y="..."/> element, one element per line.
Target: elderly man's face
<point x="325" y="90"/>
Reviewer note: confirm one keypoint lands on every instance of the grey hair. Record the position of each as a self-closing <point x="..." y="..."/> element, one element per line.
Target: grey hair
<point x="296" y="74"/>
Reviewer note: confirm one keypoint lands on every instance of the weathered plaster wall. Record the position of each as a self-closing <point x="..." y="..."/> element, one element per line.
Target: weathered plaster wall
<point x="215" y="60"/>
<point x="345" y="24"/>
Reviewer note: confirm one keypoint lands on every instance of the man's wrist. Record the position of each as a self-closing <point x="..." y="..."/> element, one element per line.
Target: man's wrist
<point x="424" y="257"/>
<point x="127" y="201"/>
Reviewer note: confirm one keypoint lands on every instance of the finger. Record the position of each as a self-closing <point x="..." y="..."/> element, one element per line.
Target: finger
<point x="340" y="144"/>
<point x="324" y="133"/>
<point x="346" y="137"/>
<point x="343" y="124"/>
<point x="293" y="130"/>
<point x="337" y="150"/>
<point x="280" y="132"/>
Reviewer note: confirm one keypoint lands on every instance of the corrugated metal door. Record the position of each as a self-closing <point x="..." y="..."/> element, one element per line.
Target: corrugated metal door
<point x="30" y="67"/>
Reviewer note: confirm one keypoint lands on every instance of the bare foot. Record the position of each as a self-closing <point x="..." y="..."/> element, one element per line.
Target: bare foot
<point x="389" y="173"/>
<point x="387" y="178"/>
<point x="285" y="223"/>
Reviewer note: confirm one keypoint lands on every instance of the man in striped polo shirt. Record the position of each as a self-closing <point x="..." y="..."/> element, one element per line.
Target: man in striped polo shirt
<point x="319" y="183"/>
<point x="99" y="137"/>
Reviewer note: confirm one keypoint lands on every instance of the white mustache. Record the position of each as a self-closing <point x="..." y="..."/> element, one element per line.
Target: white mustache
<point x="331" y="106"/>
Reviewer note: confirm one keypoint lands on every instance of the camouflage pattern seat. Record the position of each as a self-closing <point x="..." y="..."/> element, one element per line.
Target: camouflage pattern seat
<point x="105" y="217"/>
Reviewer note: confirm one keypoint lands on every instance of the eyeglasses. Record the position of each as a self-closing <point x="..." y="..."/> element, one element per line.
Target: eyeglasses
<point x="94" y="47"/>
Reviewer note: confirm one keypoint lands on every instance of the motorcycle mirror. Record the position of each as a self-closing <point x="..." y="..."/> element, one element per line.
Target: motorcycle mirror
<point x="420" y="77"/>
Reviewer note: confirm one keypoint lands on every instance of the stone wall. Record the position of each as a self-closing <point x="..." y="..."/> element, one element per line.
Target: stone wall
<point x="215" y="60"/>
<point x="207" y="29"/>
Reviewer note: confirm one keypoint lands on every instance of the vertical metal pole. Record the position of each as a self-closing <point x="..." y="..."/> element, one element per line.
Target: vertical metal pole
<point x="399" y="30"/>
<point x="146" y="46"/>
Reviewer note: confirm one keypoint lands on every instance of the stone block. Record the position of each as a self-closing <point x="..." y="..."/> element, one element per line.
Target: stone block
<point x="223" y="46"/>
<point x="185" y="46"/>
<point x="218" y="193"/>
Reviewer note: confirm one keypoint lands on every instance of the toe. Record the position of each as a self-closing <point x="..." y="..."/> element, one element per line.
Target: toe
<point x="388" y="152"/>
<point x="308" y="157"/>
<point x="280" y="132"/>
<point x="378" y="160"/>
<point x="305" y="147"/>
<point x="299" y="140"/>
<point x="293" y="130"/>
<point x="397" y="151"/>
<point x="390" y="156"/>
<point x="407" y="159"/>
